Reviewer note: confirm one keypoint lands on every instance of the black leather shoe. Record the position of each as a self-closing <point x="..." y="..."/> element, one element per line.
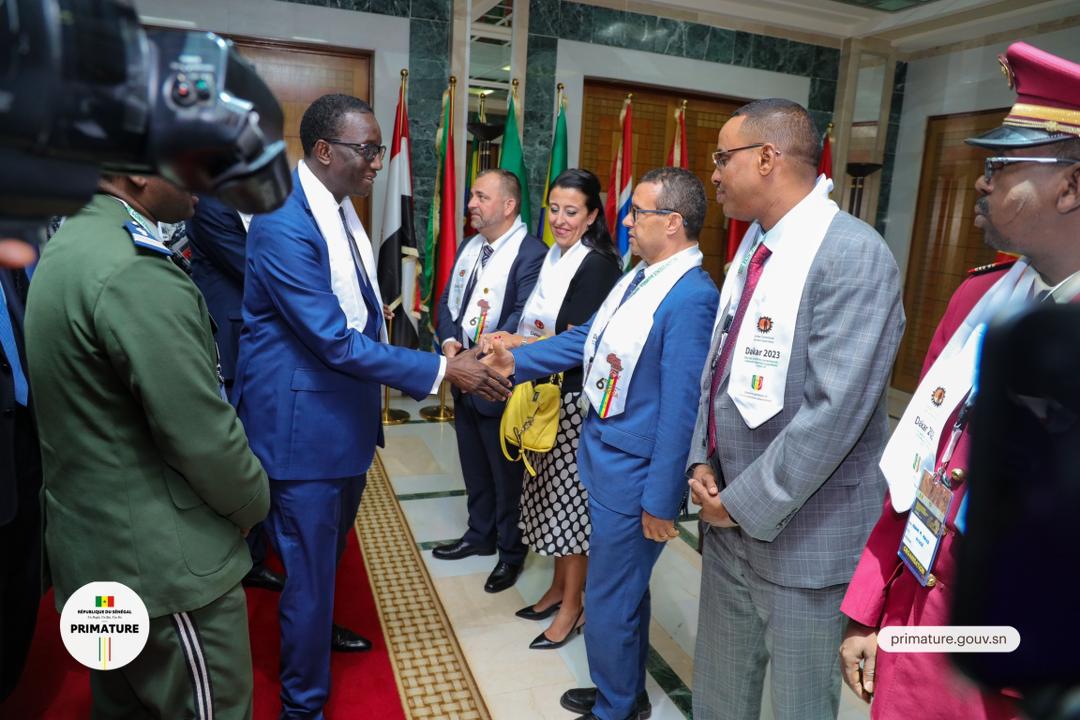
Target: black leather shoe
<point x="265" y="578"/>
<point x="458" y="550"/>
<point x="531" y="613"/>
<point x="543" y="642"/>
<point x="342" y="639"/>
<point x="581" y="700"/>
<point x="502" y="577"/>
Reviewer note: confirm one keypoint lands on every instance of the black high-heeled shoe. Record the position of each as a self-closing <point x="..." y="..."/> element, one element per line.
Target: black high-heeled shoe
<point x="531" y="613"/>
<point x="543" y="642"/>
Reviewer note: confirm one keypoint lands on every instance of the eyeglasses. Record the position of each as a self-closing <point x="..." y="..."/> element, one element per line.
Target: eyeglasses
<point x="993" y="164"/>
<point x="635" y="211"/>
<point x="721" y="157"/>
<point x="368" y="151"/>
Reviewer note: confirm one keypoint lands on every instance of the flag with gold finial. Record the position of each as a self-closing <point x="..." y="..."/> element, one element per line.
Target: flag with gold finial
<point x="441" y="245"/>
<point x="678" y="156"/>
<point x="556" y="166"/>
<point x="621" y="184"/>
<point x="512" y="158"/>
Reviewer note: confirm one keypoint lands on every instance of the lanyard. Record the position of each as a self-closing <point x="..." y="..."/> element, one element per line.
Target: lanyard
<point x="954" y="438"/>
<point x="141" y="219"/>
<point x="645" y="281"/>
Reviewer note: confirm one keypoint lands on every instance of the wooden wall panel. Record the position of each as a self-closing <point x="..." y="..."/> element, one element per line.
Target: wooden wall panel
<point x="653" y="130"/>
<point x="944" y="243"/>
<point x="298" y="74"/>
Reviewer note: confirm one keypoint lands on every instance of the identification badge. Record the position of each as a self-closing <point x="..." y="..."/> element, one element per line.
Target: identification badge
<point x="925" y="527"/>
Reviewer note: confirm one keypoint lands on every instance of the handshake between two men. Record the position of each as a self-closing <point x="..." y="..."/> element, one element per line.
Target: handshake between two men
<point x="483" y="369"/>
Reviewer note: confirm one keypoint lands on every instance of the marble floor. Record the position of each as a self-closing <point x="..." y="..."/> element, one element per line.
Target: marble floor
<point x="421" y="460"/>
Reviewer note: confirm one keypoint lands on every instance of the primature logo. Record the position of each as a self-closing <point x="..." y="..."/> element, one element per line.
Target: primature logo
<point x="104" y="625"/>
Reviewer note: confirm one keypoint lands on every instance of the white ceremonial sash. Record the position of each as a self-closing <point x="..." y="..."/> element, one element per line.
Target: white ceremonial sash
<point x="542" y="307"/>
<point x="484" y="306"/>
<point x="618" y="333"/>
<point x="343" y="271"/>
<point x="760" y="358"/>
<point x="913" y="445"/>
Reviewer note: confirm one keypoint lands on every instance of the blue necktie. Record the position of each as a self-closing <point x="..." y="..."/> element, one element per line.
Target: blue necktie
<point x="374" y="322"/>
<point x="632" y="286"/>
<point x="11" y="350"/>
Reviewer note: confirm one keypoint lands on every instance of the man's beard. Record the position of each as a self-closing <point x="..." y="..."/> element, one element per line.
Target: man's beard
<point x="991" y="236"/>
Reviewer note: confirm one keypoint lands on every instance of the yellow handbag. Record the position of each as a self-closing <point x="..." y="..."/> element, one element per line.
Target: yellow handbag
<point x="531" y="419"/>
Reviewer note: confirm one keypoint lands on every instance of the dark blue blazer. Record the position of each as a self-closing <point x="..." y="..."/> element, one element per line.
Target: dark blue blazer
<point x="13" y="284"/>
<point x="217" y="239"/>
<point x="637" y="459"/>
<point x="308" y="386"/>
<point x="523" y="275"/>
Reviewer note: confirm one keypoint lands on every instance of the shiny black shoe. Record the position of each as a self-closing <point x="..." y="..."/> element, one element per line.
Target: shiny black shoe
<point x="457" y="550"/>
<point x="342" y="639"/>
<point x="502" y="577"/>
<point x="581" y="700"/>
<point x="543" y="642"/>
<point x="531" y="613"/>
<point x="265" y="578"/>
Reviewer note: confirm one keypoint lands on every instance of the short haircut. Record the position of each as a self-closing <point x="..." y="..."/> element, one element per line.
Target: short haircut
<point x="511" y="186"/>
<point x="1069" y="149"/>
<point x="681" y="191"/>
<point x="322" y="119"/>
<point x="784" y="123"/>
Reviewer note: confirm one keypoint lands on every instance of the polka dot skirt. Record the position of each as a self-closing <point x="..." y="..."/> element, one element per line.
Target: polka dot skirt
<point x="554" y="505"/>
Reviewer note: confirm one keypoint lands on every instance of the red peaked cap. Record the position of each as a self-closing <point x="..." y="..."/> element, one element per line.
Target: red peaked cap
<point x="1047" y="107"/>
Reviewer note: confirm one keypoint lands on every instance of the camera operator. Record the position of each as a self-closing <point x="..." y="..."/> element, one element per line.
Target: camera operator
<point x="148" y="477"/>
<point x="1029" y="205"/>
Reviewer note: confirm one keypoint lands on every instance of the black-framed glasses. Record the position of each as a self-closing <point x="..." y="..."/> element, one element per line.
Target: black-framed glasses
<point x="993" y="164"/>
<point x="368" y="151"/>
<point x="721" y="157"/>
<point x="635" y="211"/>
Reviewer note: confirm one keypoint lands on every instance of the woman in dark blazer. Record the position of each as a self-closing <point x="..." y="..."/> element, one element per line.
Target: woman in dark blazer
<point x="580" y="269"/>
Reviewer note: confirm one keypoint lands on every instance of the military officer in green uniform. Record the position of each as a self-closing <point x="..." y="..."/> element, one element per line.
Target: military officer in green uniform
<point x="148" y="478"/>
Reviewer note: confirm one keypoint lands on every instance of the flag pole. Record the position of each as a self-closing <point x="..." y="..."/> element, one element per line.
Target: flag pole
<point x="391" y="416"/>
<point x="440" y="412"/>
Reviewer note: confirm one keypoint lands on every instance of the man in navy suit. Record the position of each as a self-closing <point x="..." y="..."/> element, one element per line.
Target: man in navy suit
<point x="641" y="355"/>
<point x="493" y="275"/>
<point x="218" y="234"/>
<point x="20" y="482"/>
<point x="312" y="357"/>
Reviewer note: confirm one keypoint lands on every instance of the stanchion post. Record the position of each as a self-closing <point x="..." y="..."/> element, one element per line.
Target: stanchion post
<point x="440" y="412"/>
<point x="391" y="416"/>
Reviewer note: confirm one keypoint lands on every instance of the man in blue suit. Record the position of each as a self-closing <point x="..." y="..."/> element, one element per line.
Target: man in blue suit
<point x="641" y="352"/>
<point x="313" y="354"/>
<point x="218" y="234"/>
<point x="493" y="275"/>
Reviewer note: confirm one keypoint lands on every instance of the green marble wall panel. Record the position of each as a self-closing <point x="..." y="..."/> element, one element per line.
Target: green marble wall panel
<point x="552" y="20"/>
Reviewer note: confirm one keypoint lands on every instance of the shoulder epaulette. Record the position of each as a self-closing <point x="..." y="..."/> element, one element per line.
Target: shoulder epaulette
<point x="143" y="239"/>
<point x="992" y="267"/>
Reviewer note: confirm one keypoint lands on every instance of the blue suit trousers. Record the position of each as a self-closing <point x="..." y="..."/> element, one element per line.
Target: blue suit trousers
<point x="621" y="561"/>
<point x="309" y="524"/>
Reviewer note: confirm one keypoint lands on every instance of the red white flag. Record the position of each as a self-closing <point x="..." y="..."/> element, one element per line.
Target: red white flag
<point x="621" y="185"/>
<point x="677" y="156"/>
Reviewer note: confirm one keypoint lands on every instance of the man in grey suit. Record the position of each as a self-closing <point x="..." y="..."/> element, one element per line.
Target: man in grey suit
<point x="791" y="423"/>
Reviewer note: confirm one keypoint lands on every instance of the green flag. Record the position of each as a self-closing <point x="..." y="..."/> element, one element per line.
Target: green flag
<point x="512" y="159"/>
<point x="556" y="166"/>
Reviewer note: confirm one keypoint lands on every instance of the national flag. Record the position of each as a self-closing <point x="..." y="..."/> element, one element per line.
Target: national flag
<point x="441" y="245"/>
<point x="472" y="169"/>
<point x="512" y="159"/>
<point x="678" y="156"/>
<point x="104" y="601"/>
<point x="735" y="231"/>
<point x="621" y="185"/>
<point x="397" y="258"/>
<point x="825" y="164"/>
<point x="556" y="166"/>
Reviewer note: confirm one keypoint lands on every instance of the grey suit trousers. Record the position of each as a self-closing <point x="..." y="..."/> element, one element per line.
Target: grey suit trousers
<point x="745" y="621"/>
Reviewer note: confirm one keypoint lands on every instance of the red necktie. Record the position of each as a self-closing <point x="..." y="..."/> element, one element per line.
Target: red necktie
<point x="753" y="274"/>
